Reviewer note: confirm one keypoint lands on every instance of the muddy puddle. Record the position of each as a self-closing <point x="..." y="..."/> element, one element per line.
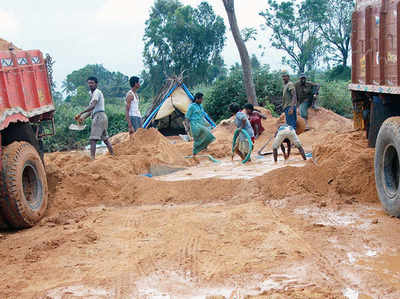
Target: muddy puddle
<point x="228" y="169"/>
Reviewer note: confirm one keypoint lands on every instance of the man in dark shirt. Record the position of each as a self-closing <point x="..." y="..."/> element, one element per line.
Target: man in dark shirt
<point x="307" y="95"/>
<point x="289" y="100"/>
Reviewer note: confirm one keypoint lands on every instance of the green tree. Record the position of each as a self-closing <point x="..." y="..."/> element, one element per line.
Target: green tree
<point x="219" y="96"/>
<point x="333" y="18"/>
<point x="295" y="33"/>
<point x="182" y="38"/>
<point x="336" y="96"/>
<point x="112" y="84"/>
<point x="255" y="63"/>
<point x="248" y="33"/>
<point x="80" y="98"/>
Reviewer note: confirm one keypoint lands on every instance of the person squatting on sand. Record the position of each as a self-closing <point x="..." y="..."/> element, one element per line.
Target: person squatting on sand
<point x="286" y="134"/>
<point x="132" y="113"/>
<point x="199" y="128"/>
<point x="99" y="127"/>
<point x="242" y="146"/>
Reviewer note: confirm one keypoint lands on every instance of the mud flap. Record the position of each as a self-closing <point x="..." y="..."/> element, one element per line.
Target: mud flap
<point x="358" y="120"/>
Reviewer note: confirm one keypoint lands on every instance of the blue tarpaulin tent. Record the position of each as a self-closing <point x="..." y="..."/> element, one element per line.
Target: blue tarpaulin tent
<point x="173" y="102"/>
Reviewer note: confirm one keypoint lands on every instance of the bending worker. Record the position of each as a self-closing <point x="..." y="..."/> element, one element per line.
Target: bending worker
<point x="288" y="135"/>
<point x="307" y="95"/>
<point x="242" y="146"/>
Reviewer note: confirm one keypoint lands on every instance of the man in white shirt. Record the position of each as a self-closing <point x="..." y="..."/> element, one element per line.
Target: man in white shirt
<point x="133" y="116"/>
<point x="287" y="134"/>
<point x="99" y="127"/>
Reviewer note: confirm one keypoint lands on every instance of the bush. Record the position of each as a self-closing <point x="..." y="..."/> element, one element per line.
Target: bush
<point x="339" y="73"/>
<point x="336" y="96"/>
<point x="217" y="99"/>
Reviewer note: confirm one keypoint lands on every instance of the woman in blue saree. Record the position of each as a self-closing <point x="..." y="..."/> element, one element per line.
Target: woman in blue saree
<point x="198" y="126"/>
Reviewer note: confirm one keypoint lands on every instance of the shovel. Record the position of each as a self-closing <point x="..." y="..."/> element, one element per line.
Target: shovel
<point x="77" y="127"/>
<point x="264" y="146"/>
<point x="80" y="125"/>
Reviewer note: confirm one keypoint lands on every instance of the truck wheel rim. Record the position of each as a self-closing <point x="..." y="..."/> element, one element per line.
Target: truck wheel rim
<point x="32" y="186"/>
<point x="391" y="170"/>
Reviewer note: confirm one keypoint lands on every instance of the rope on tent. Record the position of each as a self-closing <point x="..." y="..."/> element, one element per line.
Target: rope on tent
<point x="235" y="136"/>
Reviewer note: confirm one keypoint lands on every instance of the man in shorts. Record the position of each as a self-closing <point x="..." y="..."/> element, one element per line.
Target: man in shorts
<point x="288" y="135"/>
<point x="289" y="100"/>
<point x="307" y="95"/>
<point x="133" y="116"/>
<point x="99" y="127"/>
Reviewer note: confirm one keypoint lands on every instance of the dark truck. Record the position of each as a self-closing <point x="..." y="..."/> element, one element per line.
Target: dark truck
<point x="25" y="104"/>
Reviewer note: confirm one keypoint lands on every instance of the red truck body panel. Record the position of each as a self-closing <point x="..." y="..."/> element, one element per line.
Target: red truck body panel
<point x="25" y="93"/>
<point x="376" y="47"/>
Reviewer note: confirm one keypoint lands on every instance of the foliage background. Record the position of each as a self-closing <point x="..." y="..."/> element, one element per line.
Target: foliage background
<point x="183" y="38"/>
<point x="334" y="95"/>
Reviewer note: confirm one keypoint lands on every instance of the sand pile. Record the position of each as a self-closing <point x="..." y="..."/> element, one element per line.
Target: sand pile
<point x="354" y="163"/>
<point x="342" y="167"/>
<point x="74" y="180"/>
<point x="322" y="122"/>
<point x="150" y="144"/>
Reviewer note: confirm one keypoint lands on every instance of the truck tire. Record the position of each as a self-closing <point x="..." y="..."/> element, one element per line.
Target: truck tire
<point x="21" y="132"/>
<point x="387" y="165"/>
<point x="24" y="183"/>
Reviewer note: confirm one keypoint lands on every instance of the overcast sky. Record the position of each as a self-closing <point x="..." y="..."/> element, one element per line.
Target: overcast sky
<point x="109" y="32"/>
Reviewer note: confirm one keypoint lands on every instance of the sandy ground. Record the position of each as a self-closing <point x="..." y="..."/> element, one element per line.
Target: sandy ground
<point x="294" y="229"/>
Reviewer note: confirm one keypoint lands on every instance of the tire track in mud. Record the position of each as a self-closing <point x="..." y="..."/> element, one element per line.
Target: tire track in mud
<point x="189" y="259"/>
<point x="125" y="285"/>
<point x="320" y="261"/>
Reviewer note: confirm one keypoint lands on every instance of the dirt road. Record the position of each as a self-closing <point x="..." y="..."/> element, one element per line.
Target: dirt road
<point x="263" y="230"/>
<point x="298" y="247"/>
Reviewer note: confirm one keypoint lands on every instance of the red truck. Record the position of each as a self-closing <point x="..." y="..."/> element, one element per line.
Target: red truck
<point x="25" y="105"/>
<point x="375" y="90"/>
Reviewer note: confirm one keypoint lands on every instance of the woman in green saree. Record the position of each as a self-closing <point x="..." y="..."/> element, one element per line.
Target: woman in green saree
<point x="198" y="126"/>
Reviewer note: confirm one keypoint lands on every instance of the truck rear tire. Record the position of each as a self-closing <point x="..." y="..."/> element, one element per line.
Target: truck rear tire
<point x="387" y="165"/>
<point x="24" y="183"/>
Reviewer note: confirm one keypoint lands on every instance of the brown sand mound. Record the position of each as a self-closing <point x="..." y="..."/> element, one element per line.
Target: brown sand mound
<point x="342" y="167"/>
<point x="74" y="180"/>
<point x="151" y="144"/>
<point x="322" y="123"/>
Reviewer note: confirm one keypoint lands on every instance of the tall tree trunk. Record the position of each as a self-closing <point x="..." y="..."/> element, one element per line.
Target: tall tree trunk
<point x="244" y="54"/>
<point x="345" y="57"/>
